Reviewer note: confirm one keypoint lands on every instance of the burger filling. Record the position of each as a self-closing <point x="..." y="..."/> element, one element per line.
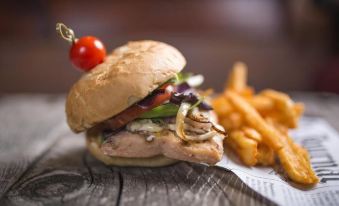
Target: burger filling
<point x="175" y="106"/>
<point x="175" y="120"/>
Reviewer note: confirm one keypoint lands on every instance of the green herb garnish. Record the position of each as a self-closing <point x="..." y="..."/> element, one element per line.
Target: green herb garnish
<point x="165" y="110"/>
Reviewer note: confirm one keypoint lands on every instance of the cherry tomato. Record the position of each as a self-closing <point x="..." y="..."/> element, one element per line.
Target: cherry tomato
<point x="136" y="110"/>
<point x="87" y="52"/>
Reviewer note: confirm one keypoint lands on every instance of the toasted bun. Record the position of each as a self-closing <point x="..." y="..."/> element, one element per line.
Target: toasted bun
<point x="156" y="161"/>
<point x="126" y="76"/>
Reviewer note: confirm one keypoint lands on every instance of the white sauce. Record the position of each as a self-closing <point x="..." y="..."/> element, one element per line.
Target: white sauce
<point x="195" y="81"/>
<point x="150" y="138"/>
<point x="143" y="125"/>
<point x="171" y="127"/>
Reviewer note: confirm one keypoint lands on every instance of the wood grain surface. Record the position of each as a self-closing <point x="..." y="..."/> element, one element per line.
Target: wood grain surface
<point x="43" y="163"/>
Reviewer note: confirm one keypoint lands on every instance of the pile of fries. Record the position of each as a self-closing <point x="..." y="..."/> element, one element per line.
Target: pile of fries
<point x="258" y="125"/>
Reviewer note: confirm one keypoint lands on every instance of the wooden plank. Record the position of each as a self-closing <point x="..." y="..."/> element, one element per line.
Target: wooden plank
<point x="67" y="175"/>
<point x="29" y="126"/>
<point x="179" y="184"/>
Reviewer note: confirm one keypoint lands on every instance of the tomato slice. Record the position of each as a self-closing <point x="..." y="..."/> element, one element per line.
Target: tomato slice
<point x="158" y="97"/>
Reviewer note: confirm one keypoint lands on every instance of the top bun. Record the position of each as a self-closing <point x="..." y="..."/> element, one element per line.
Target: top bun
<point x="126" y="76"/>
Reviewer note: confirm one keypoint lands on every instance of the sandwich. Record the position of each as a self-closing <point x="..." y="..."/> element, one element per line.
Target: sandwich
<point x="138" y="109"/>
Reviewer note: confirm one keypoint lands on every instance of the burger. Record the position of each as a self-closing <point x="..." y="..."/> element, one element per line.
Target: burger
<point x="138" y="109"/>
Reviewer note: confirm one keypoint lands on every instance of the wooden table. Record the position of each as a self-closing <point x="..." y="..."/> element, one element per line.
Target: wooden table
<point x="42" y="162"/>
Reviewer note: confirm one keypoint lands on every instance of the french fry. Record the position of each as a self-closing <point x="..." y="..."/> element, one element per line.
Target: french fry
<point x="244" y="147"/>
<point x="299" y="109"/>
<point x="233" y="121"/>
<point x="221" y="106"/>
<point x="258" y="126"/>
<point x="253" y="118"/>
<point x="286" y="107"/>
<point x="237" y="80"/>
<point x="248" y="92"/>
<point x="252" y="133"/>
<point x="280" y="127"/>
<point x="296" y="163"/>
<point x="261" y="103"/>
<point x="303" y="151"/>
<point x="265" y="155"/>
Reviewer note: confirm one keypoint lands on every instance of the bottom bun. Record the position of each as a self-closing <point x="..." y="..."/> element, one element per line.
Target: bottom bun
<point x="155" y="161"/>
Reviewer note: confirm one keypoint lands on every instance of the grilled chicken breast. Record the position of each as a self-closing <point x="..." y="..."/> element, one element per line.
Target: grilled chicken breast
<point x="127" y="144"/>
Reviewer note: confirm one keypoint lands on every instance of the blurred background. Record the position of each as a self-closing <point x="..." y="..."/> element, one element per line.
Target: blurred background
<point x="287" y="45"/>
